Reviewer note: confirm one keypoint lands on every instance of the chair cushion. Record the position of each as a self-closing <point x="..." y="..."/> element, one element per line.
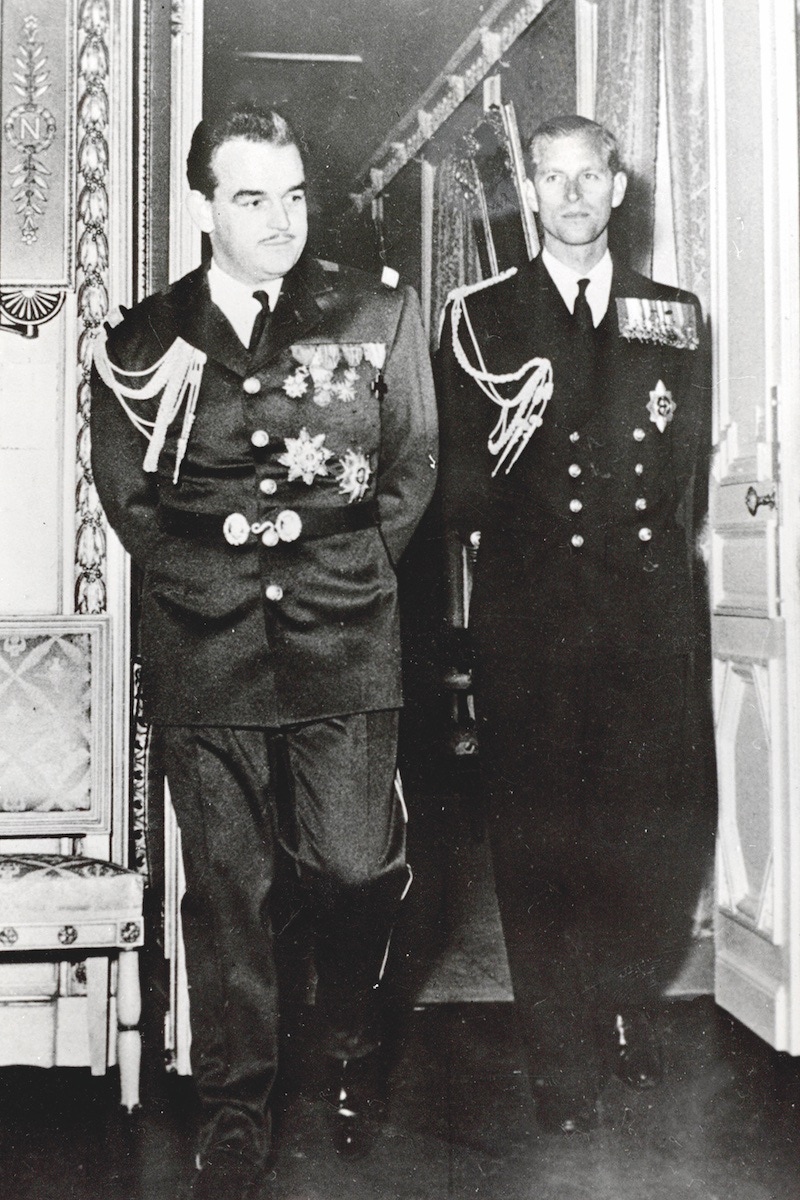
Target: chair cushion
<point x="87" y="901"/>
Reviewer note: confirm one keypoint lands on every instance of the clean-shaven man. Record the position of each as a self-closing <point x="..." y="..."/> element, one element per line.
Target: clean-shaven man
<point x="575" y="428"/>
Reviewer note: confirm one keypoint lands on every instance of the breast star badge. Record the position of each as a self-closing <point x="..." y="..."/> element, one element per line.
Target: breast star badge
<point x="661" y="406"/>
<point x="354" y="475"/>
<point x="306" y="456"/>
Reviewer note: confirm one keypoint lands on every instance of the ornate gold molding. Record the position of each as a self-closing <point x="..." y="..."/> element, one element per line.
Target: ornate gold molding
<point x="92" y="286"/>
<point x="144" y="164"/>
<point x="37" y="70"/>
<point x="140" y="776"/>
<point x="30" y="129"/>
<point x="23" y="309"/>
<point x="177" y="17"/>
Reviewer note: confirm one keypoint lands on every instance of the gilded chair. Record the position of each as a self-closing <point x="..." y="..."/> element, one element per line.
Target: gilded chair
<point x="70" y="910"/>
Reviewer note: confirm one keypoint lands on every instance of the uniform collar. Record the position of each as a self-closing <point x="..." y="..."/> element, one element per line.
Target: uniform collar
<point x="566" y="280"/>
<point x="199" y="321"/>
<point x="236" y="299"/>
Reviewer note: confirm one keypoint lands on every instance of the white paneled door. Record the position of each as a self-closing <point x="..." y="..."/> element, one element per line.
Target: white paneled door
<point x="755" y="519"/>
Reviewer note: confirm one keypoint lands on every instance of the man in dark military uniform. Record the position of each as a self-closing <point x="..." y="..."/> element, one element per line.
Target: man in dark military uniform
<point x="264" y="444"/>
<point x="575" y="426"/>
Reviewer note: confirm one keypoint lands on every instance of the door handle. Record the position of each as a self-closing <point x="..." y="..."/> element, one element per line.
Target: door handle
<point x="754" y="501"/>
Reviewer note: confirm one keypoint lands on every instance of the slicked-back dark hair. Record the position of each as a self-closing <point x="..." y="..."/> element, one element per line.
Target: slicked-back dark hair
<point x="567" y="126"/>
<point x="249" y="122"/>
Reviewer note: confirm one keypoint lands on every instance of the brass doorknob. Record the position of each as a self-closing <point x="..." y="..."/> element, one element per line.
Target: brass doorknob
<point x="754" y="501"/>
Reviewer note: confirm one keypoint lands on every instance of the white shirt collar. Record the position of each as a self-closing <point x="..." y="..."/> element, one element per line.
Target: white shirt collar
<point x="566" y="279"/>
<point x="237" y="301"/>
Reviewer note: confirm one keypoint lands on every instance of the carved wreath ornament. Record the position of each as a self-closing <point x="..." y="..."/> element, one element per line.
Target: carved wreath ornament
<point x="30" y="128"/>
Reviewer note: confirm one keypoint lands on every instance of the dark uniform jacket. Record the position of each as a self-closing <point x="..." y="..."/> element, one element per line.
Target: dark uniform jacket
<point x="588" y="544"/>
<point x="269" y="589"/>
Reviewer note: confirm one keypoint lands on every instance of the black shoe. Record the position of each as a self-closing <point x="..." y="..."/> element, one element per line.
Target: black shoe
<point x="562" y="1112"/>
<point x="227" y="1174"/>
<point x="637" y="1052"/>
<point x="356" y="1099"/>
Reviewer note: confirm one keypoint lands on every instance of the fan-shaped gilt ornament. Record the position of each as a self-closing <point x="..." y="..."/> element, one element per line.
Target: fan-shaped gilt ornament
<point x="23" y="308"/>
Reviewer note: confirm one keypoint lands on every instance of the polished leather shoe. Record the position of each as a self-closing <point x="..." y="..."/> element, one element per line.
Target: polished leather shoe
<point x="637" y="1052"/>
<point x="356" y="1100"/>
<point x="226" y="1174"/>
<point x="562" y="1112"/>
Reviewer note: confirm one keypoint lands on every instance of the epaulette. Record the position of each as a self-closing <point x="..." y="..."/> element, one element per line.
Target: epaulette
<point x="116" y="316"/>
<point x="177" y="376"/>
<point x="389" y="277"/>
<point x="466" y="289"/>
<point x="520" y="414"/>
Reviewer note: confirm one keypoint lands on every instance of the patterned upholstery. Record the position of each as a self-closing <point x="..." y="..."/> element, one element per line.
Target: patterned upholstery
<point x="32" y="868"/>
<point x="55" y="900"/>
<point x="57" y="783"/>
<point x="46" y="722"/>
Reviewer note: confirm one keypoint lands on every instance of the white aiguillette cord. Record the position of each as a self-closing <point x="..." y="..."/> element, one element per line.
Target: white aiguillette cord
<point x="511" y="433"/>
<point x="177" y="375"/>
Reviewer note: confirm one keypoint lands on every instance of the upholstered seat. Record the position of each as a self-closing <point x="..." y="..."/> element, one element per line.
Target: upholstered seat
<point x="51" y="900"/>
<point x="71" y="920"/>
<point x="66" y="903"/>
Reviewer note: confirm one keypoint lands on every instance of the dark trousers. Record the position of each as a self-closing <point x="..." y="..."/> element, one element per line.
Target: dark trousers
<point x="602" y="835"/>
<point x="323" y="794"/>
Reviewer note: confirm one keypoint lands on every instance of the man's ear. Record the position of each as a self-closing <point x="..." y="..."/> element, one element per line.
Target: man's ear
<point x="530" y="195"/>
<point x="618" y="189"/>
<point x="199" y="207"/>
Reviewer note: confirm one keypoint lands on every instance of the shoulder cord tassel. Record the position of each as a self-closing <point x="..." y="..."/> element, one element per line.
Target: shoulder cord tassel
<point x="511" y="433"/>
<point x="177" y="375"/>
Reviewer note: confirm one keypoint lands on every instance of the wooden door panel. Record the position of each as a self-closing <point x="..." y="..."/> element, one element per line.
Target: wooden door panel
<point x="754" y="535"/>
<point x="747" y="783"/>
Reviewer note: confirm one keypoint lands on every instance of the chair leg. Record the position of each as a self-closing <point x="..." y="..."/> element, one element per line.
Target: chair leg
<point x="97" y="966"/>
<point x="129" y="1038"/>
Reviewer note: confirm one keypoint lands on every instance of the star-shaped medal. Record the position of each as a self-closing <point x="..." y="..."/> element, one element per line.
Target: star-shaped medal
<point x="661" y="406"/>
<point x="306" y="456"/>
<point x="354" y="475"/>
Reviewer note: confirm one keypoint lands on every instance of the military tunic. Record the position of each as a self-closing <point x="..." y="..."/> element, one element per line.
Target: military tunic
<point x="594" y="524"/>
<point x="271" y="631"/>
<point x="282" y="486"/>
<point x="586" y="638"/>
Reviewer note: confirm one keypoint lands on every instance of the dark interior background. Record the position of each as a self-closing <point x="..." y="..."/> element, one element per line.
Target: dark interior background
<point x="343" y="109"/>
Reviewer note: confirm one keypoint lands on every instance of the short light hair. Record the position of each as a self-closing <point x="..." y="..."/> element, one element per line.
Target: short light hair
<point x="248" y="122"/>
<point x="568" y="126"/>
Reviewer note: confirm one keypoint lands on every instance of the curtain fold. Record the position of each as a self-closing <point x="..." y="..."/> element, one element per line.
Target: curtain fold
<point x="627" y="102"/>
<point x="686" y="82"/>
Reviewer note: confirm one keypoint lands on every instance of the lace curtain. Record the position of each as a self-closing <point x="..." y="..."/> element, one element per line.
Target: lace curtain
<point x="687" y="121"/>
<point x="626" y="100"/>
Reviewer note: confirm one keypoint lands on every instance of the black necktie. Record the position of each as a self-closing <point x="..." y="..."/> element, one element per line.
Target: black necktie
<point x="260" y="321"/>
<point x="582" y="312"/>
